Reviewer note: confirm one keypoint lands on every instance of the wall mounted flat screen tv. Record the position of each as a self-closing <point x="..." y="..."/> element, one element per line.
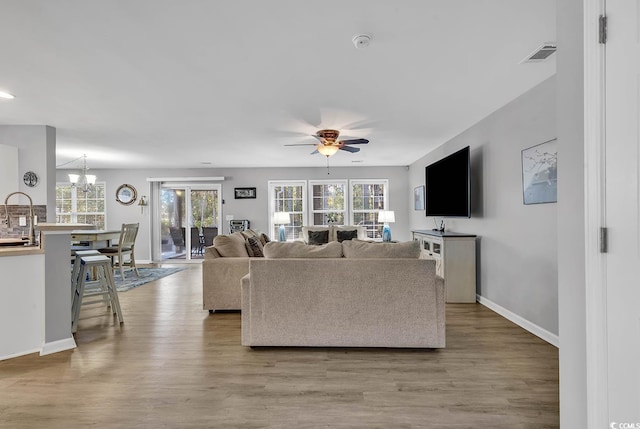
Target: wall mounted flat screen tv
<point x="447" y="186"/>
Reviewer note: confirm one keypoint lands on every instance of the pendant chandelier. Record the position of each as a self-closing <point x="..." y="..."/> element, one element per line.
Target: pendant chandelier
<point x="83" y="181"/>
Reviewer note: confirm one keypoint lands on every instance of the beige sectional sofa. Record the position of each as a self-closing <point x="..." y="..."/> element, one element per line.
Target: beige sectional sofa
<point x="375" y="295"/>
<point x="224" y="265"/>
<point x="227" y="261"/>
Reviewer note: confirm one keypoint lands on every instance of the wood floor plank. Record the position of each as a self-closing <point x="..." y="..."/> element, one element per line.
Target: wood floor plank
<point x="173" y="365"/>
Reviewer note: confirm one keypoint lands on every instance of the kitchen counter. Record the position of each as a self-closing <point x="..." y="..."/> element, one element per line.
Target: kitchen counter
<point x="38" y="249"/>
<point x="35" y="292"/>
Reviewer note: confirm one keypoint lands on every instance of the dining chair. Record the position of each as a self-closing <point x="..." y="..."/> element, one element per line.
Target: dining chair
<point x="209" y="233"/>
<point x="177" y="236"/>
<point x="123" y="255"/>
<point x="197" y="241"/>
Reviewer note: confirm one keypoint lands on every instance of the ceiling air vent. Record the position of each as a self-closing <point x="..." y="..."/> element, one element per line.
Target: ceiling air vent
<point x="540" y="54"/>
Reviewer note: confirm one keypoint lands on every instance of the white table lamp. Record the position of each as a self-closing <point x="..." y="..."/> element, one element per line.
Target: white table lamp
<point x="386" y="217"/>
<point x="283" y="219"/>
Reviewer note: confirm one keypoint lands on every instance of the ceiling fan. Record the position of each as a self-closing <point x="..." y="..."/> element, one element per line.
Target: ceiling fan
<point x="328" y="143"/>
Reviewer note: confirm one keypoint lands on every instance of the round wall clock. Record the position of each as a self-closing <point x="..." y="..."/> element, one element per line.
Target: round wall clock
<point x="30" y="179"/>
<point x="126" y="194"/>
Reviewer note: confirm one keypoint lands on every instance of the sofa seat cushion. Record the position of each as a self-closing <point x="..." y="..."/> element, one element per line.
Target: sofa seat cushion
<point x="278" y="250"/>
<point x="231" y="246"/>
<point x="376" y="250"/>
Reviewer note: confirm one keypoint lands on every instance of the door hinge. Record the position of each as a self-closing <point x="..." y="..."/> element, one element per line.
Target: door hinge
<point x="602" y="32"/>
<point x="604" y="238"/>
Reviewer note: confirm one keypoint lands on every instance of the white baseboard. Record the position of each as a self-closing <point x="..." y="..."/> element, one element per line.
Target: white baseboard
<point x="58" y="346"/>
<point x="536" y="330"/>
<point x="15" y="355"/>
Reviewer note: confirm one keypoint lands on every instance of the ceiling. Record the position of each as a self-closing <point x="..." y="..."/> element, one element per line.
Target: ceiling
<point x="209" y="84"/>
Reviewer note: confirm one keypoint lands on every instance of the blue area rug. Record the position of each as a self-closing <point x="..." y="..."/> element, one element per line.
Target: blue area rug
<point x="146" y="275"/>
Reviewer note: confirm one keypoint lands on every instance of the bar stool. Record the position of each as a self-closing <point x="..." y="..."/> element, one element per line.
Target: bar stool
<point x="76" y="269"/>
<point x="103" y="288"/>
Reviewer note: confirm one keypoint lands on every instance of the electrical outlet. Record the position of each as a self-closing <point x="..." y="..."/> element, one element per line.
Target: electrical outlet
<point x="22" y="221"/>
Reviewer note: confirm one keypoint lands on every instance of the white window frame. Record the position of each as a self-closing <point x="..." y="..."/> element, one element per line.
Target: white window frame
<point x="344" y="211"/>
<point x="272" y="184"/>
<point x="74" y="203"/>
<point x="385" y="201"/>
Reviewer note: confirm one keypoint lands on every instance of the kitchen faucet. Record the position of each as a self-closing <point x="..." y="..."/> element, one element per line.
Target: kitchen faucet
<point x="32" y="231"/>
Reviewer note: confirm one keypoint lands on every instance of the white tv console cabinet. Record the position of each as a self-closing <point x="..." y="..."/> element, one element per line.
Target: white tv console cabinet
<point x="455" y="256"/>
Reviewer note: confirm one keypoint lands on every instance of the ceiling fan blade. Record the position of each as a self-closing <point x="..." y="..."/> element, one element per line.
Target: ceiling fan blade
<point x="314" y="152"/>
<point x="355" y="141"/>
<point x="350" y="149"/>
<point x="301" y="144"/>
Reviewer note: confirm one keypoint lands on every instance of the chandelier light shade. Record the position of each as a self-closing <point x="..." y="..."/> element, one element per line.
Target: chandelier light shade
<point x="283" y="219"/>
<point x="386" y="217"/>
<point x="83" y="181"/>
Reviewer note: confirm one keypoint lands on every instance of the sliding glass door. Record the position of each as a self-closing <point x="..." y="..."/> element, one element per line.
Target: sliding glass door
<point x="189" y="220"/>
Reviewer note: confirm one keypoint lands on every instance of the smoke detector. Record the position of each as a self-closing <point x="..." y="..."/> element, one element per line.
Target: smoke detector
<point x="541" y="53"/>
<point x="361" y="41"/>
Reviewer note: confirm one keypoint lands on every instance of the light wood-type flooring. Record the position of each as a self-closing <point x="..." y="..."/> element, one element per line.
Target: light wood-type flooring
<point x="173" y="365"/>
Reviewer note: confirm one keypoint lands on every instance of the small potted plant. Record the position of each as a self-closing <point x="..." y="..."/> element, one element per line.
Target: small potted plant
<point x="332" y="218"/>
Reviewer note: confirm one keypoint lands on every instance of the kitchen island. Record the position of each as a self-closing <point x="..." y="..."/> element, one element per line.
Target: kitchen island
<point x="35" y="294"/>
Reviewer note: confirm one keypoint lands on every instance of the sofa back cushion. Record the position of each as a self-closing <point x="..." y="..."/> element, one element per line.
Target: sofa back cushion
<point x="365" y="249"/>
<point x="278" y="250"/>
<point x="231" y="246"/>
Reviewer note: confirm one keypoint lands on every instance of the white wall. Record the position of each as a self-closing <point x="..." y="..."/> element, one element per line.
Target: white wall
<point x="517" y="244"/>
<point x="256" y="210"/>
<point x="36" y="152"/>
<point x="8" y="170"/>
<point x="571" y="214"/>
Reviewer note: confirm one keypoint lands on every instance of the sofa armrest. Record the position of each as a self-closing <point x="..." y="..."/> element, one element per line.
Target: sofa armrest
<point x="246" y="309"/>
<point x="221" y="282"/>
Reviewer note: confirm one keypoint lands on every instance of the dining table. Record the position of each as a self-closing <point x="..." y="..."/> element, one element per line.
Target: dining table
<point x="90" y="239"/>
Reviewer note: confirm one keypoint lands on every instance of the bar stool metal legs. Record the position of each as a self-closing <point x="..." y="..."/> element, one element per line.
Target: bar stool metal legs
<point x="102" y="289"/>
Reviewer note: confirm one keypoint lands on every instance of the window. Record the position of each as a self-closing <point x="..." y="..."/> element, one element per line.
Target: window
<point x="340" y="202"/>
<point x="75" y="206"/>
<point x="290" y="197"/>
<point x="328" y="202"/>
<point x="368" y="197"/>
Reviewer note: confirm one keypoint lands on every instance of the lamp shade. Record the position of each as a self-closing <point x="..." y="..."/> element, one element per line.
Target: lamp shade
<point x="386" y="216"/>
<point x="281" y="218"/>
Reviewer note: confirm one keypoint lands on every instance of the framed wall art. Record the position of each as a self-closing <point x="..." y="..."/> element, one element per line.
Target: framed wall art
<point x="244" y="193"/>
<point x="418" y="198"/>
<point x="540" y="173"/>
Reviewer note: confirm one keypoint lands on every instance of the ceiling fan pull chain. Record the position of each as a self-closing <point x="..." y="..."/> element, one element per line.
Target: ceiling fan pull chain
<point x="328" y="172"/>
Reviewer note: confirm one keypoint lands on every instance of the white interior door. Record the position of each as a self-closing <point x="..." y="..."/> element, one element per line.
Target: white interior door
<point x="622" y="196"/>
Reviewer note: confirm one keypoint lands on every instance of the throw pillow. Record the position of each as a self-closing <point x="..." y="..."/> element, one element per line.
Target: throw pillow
<point x="318" y="237"/>
<point x="264" y="238"/>
<point x="346" y="235"/>
<point x="376" y="250"/>
<point x="278" y="250"/>
<point x="231" y="246"/>
<point x="307" y="229"/>
<point x="254" y="247"/>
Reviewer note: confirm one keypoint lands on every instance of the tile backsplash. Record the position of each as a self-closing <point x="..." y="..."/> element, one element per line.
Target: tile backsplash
<point x="15" y="212"/>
